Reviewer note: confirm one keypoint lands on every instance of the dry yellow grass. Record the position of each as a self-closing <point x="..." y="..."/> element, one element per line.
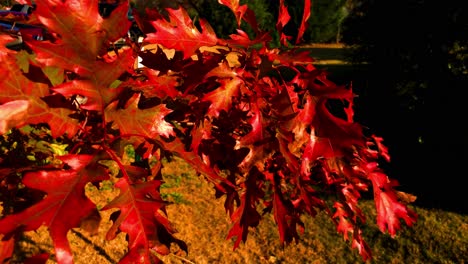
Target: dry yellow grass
<point x="201" y="222"/>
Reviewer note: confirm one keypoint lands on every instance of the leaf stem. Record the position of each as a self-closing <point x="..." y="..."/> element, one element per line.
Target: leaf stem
<point x="119" y="163"/>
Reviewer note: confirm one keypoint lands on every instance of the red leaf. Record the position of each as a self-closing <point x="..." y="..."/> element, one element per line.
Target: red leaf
<point x="283" y="19"/>
<point x="389" y="209"/>
<point x="221" y="97"/>
<point x="96" y="90"/>
<point x="4" y="40"/>
<point x="179" y="33"/>
<point x="246" y="214"/>
<point x="94" y="95"/>
<point x="37" y="259"/>
<point x="344" y="226"/>
<point x="284" y="217"/>
<point x="197" y="163"/>
<point x="6" y="249"/>
<point x="58" y="210"/>
<point x="340" y="133"/>
<point x="15" y="86"/>
<point x="315" y="148"/>
<point x="84" y="34"/>
<point x="243" y="40"/>
<point x="381" y="148"/>
<point x="162" y="85"/>
<point x="362" y="247"/>
<point x="200" y="133"/>
<point x="239" y="10"/>
<point x="140" y="206"/>
<point x="254" y="140"/>
<point x="305" y="18"/>
<point x="131" y="120"/>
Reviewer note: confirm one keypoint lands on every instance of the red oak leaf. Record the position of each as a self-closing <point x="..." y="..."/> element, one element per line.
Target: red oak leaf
<point x="160" y="85"/>
<point x="389" y="209"/>
<point x="255" y="139"/>
<point x="199" y="133"/>
<point x="181" y="34"/>
<point x="340" y="133"/>
<point x="195" y="72"/>
<point x="246" y="214"/>
<point x="58" y="210"/>
<point x="85" y="88"/>
<point x="283" y="19"/>
<point x="239" y="10"/>
<point x="96" y="90"/>
<point x="15" y="86"/>
<point x="301" y="122"/>
<point x="243" y="40"/>
<point x="6" y="249"/>
<point x="192" y="158"/>
<point x="362" y="247"/>
<point x="221" y="97"/>
<point x="305" y="18"/>
<point x="131" y="120"/>
<point x="223" y="71"/>
<point x="284" y="217"/>
<point x="140" y="217"/>
<point x="41" y="258"/>
<point x="112" y="66"/>
<point x="315" y="148"/>
<point x="344" y="226"/>
<point x="4" y="40"/>
<point x="381" y="148"/>
<point x="83" y="33"/>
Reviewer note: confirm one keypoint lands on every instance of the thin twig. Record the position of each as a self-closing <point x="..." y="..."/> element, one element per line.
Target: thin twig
<point x="182" y="258"/>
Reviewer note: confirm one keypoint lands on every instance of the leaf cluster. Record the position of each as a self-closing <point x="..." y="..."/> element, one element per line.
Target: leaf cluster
<point x="264" y="126"/>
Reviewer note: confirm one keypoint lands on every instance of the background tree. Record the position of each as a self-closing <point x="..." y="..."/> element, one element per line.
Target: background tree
<point x="325" y="21"/>
<point x="4" y="3"/>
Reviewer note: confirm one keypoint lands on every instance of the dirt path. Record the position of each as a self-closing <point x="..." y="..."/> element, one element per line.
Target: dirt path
<point x="326" y="54"/>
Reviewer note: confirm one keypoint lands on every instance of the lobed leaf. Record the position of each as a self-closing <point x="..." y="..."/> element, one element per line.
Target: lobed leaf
<point x="16" y="86"/>
<point x="57" y="211"/>
<point x="140" y="206"/>
<point x="179" y="33"/>
<point x="131" y="120"/>
<point x="82" y="34"/>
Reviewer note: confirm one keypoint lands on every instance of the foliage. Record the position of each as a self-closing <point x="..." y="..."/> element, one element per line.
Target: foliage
<point x="458" y="63"/>
<point x="264" y="126"/>
<point x="6" y="3"/>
